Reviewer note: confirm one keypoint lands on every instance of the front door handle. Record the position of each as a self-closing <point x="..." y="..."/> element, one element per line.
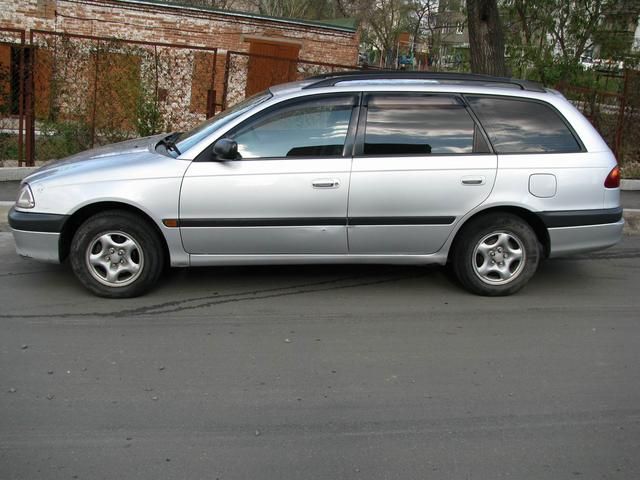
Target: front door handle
<point x="326" y="183"/>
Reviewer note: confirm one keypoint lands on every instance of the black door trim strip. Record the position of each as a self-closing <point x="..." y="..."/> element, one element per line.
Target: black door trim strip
<point x="312" y="221"/>
<point x="576" y="218"/>
<point x="263" y="222"/>
<point x="356" y="221"/>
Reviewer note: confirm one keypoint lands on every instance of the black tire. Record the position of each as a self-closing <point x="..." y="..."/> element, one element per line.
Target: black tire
<point x="117" y="254"/>
<point x="495" y="254"/>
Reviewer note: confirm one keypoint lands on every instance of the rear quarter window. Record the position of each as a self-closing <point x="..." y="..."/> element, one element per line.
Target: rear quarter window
<point x="523" y="126"/>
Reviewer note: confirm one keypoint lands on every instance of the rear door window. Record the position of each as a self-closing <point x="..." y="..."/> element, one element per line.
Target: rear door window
<point x="523" y="126"/>
<point x="420" y="125"/>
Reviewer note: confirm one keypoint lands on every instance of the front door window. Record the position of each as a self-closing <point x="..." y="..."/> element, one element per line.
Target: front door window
<point x="313" y="128"/>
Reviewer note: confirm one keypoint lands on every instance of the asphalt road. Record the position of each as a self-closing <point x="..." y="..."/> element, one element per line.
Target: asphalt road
<point x="8" y="191"/>
<point x="322" y="373"/>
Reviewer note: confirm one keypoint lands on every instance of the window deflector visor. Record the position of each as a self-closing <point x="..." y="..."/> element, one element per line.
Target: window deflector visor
<point x="191" y="138"/>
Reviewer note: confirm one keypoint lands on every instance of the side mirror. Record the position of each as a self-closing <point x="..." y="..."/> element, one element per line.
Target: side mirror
<point x="225" y="149"/>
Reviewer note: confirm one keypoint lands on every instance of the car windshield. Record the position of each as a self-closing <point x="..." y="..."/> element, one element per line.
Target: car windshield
<point x="188" y="139"/>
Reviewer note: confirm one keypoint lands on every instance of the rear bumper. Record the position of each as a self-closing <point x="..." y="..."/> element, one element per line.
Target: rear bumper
<point x="580" y="218"/>
<point x="584" y="238"/>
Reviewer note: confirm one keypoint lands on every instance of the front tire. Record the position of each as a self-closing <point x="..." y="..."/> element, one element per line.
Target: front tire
<point x="496" y="254"/>
<point x="116" y="254"/>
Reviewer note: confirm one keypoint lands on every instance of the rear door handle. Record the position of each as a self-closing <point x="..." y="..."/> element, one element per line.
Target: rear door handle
<point x="326" y="183"/>
<point x="473" y="180"/>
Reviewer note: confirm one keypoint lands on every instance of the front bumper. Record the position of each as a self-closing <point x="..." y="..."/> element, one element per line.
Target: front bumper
<point x="41" y="246"/>
<point x="37" y="235"/>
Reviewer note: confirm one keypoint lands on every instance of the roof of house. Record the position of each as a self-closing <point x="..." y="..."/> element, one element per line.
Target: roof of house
<point x="346" y="25"/>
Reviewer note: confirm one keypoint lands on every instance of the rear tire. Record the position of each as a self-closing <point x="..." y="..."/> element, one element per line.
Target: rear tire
<point x="117" y="254"/>
<point x="495" y="254"/>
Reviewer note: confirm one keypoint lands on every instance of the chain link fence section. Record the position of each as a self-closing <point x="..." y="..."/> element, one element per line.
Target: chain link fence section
<point x="628" y="128"/>
<point x="246" y="73"/>
<point x="601" y="108"/>
<point x="13" y="61"/>
<point x="615" y="114"/>
<point x="92" y="91"/>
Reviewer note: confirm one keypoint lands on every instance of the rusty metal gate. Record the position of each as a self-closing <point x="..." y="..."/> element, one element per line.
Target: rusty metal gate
<point x="89" y="91"/>
<point x="13" y="71"/>
<point x="63" y="93"/>
<point x="241" y="69"/>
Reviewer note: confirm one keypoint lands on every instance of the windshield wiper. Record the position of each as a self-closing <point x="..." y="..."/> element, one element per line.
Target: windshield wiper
<point x="170" y="142"/>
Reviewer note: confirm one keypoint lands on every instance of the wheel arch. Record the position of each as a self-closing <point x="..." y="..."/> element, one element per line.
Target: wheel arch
<point x="528" y="216"/>
<point x="74" y="222"/>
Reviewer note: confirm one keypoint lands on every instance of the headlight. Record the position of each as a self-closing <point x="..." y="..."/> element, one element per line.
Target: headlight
<point x="25" y="197"/>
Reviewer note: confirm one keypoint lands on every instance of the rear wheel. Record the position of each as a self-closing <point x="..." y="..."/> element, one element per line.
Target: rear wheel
<point x="496" y="254"/>
<point x="117" y="254"/>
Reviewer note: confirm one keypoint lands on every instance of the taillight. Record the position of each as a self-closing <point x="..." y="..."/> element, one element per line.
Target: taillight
<point x="613" y="179"/>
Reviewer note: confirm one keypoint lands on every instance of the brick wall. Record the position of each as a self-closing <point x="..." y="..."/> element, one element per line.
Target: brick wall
<point x="100" y="91"/>
<point x="151" y="23"/>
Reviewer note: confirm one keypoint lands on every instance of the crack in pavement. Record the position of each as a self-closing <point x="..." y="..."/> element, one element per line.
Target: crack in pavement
<point x="295" y="292"/>
<point x="177" y="306"/>
<point x="173" y="303"/>
<point x="223" y="299"/>
<point x="32" y="272"/>
<point x="604" y="255"/>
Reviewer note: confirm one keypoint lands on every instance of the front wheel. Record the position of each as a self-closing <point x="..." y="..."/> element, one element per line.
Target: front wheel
<point x="496" y="254"/>
<point x="116" y="254"/>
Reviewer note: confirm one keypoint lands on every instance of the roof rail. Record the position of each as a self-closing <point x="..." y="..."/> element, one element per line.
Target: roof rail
<point x="330" y="79"/>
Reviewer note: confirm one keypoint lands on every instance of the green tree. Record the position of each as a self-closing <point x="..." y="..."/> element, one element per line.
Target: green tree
<point x="546" y="40"/>
<point x="486" y="38"/>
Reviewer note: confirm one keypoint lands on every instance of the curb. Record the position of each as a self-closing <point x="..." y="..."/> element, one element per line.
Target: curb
<point x="631" y="218"/>
<point x="15" y="174"/>
<point x="632" y="221"/>
<point x="626" y="184"/>
<point x="4" y="211"/>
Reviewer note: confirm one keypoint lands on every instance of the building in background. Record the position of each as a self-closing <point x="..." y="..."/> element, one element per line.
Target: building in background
<point x="617" y="39"/>
<point x="451" y="37"/>
<point x="88" y="72"/>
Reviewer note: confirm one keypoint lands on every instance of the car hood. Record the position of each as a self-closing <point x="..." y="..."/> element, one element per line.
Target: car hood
<point x="97" y="158"/>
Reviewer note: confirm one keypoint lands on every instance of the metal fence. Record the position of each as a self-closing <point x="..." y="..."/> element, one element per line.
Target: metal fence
<point x="63" y="93"/>
<point x="13" y="68"/>
<point x="615" y="114"/>
<point x="247" y="73"/>
<point x="89" y="91"/>
<point x="629" y="129"/>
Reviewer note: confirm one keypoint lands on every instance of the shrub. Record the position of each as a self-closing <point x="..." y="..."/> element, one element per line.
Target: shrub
<point x="148" y="117"/>
<point x="61" y="139"/>
<point x="8" y="146"/>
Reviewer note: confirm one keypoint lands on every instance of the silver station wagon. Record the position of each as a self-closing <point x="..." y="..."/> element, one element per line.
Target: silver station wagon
<point x="488" y="175"/>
